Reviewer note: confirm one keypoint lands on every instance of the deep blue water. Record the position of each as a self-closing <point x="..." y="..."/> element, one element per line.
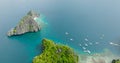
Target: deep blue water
<point x="80" y="18"/>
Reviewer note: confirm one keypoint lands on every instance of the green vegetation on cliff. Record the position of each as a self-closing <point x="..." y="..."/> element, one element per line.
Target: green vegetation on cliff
<point x="116" y="61"/>
<point x="54" y="53"/>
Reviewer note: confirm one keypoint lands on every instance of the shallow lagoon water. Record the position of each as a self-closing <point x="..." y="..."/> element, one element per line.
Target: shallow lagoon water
<point x="82" y="19"/>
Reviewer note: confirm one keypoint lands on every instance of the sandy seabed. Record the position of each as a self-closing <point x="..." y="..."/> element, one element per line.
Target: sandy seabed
<point x="105" y="57"/>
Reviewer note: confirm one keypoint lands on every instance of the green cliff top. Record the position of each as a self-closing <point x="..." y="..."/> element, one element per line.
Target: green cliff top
<point x="54" y="53"/>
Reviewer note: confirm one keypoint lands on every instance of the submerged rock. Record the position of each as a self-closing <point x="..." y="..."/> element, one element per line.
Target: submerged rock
<point x="104" y="57"/>
<point x="26" y="24"/>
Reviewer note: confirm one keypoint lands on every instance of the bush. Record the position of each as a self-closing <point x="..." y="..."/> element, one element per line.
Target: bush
<point x="116" y="61"/>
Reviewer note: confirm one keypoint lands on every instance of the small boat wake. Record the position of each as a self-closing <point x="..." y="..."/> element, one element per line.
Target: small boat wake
<point x="114" y="44"/>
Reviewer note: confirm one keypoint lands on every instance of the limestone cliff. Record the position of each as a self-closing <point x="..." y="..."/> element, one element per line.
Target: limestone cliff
<point x="26" y="24"/>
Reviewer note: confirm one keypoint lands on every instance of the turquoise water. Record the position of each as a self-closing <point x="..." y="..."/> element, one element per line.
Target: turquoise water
<point x="81" y="19"/>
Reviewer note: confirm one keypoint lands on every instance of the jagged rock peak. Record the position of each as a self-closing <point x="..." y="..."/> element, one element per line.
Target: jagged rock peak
<point x="26" y="24"/>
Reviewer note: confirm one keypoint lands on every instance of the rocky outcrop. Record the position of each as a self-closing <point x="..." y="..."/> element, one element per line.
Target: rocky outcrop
<point x="26" y="24"/>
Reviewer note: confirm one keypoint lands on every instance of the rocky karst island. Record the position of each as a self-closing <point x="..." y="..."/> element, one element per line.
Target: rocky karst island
<point x="51" y="52"/>
<point x="26" y="24"/>
<point x="55" y="53"/>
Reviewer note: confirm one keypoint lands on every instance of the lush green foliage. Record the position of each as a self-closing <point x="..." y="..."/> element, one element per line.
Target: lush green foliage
<point x="14" y="30"/>
<point x="53" y="53"/>
<point x="116" y="61"/>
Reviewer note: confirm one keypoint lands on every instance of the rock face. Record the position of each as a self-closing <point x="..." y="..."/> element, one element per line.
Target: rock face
<point x="26" y="24"/>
